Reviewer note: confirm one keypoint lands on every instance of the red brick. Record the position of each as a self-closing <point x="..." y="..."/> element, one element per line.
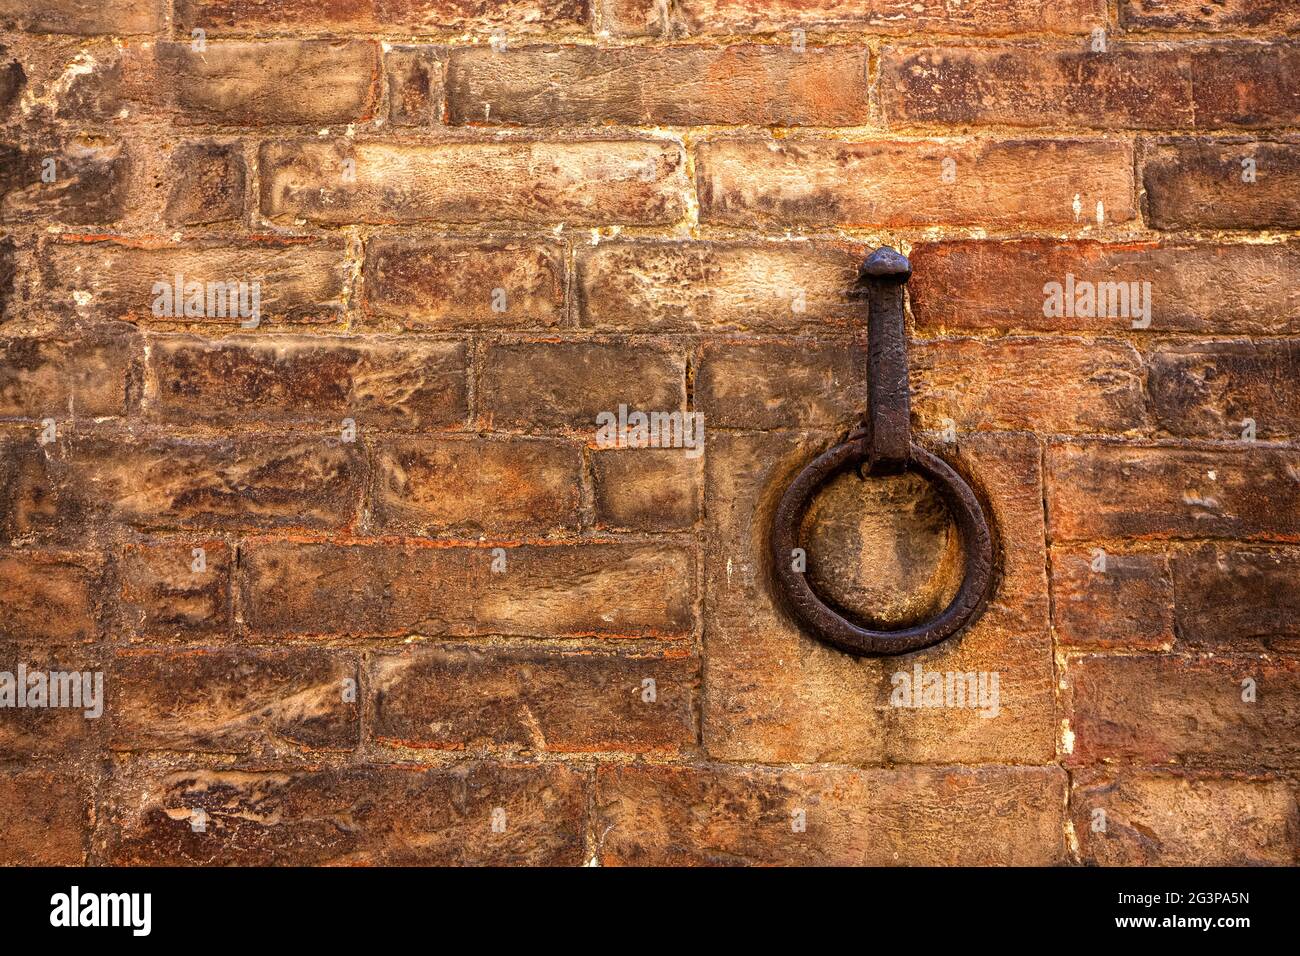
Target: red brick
<point x="49" y="597"/>
<point x="596" y="589"/>
<point x="381" y="16"/>
<point x="909" y="816"/>
<point x="1176" y="819"/>
<point x="455" y="283"/>
<point x="580" y="183"/>
<point x="380" y="383"/>
<point x="800" y="384"/>
<point x="85" y="17"/>
<point x="669" y="86"/>
<point x="1197" y="184"/>
<point x="1234" y="598"/>
<point x="806" y="181"/>
<point x="1251" y="85"/>
<point x="395" y="815"/>
<point x="1208" y="390"/>
<point x="648" y="489"/>
<point x="1102" y="491"/>
<point x="85" y="375"/>
<point x="477" y="486"/>
<point x="1219" y="16"/>
<point x="45" y="816"/>
<point x="164" y="597"/>
<point x="1128" y="604"/>
<point x="1154" y="709"/>
<point x="1223" y="289"/>
<point x="453" y="698"/>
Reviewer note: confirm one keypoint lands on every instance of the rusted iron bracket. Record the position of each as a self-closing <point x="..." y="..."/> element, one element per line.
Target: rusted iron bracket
<point x="882" y="444"/>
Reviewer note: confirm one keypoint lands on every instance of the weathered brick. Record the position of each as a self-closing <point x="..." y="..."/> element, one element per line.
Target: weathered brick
<point x="1234" y="598"/>
<point x="648" y="489"/>
<point x="415" y="85"/>
<point x="1251" y="85"/>
<point x="453" y="698"/>
<point x="45" y="816"/>
<point x="565" y="385"/>
<point x="821" y="182"/>
<point x="66" y="731"/>
<point x="371" y="16"/>
<point x="1103" y="491"/>
<point x="1132" y="86"/>
<point x="456" y="283"/>
<point x="1223" y="289"/>
<point x="1208" y="390"/>
<point x="89" y="187"/>
<point x="726" y="816"/>
<point x="1176" y="819"/>
<point x="382" y="383"/>
<point x="12" y="81"/>
<point x="585" y="182"/>
<point x="413" y="816"/>
<point x="702" y="286"/>
<point x="234" y="701"/>
<point x="1198" y="184"/>
<point x="86" y="375"/>
<point x="85" y="17"/>
<point x="207" y="184"/>
<point x="1222" y="15"/>
<point x="991" y="17"/>
<point x="93" y="87"/>
<point x="1027" y="384"/>
<point x="49" y="597"/>
<point x="801" y="384"/>
<point x="1126" y="603"/>
<point x="167" y="592"/>
<point x="670" y="86"/>
<point x="596" y="589"/>
<point x="476" y="485"/>
<point x="8" y="273"/>
<point x="1153" y="709"/>
<point x="180" y="483"/>
<point x="299" y="282"/>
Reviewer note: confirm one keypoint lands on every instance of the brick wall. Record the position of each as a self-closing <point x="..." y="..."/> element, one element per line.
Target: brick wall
<point x="434" y="620"/>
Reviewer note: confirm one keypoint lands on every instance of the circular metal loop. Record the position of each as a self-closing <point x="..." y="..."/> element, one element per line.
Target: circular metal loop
<point x="833" y="627"/>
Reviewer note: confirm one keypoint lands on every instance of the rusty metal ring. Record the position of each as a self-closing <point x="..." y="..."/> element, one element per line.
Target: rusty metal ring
<point x="829" y="624"/>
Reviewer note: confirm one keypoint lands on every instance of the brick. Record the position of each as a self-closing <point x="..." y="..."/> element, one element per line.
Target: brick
<point x="298" y="282"/>
<point x="581" y="183"/>
<point x="1153" y="709"/>
<point x="1176" y="819"/>
<point x="92" y="88"/>
<point x="703" y="286"/>
<point x="372" y="16"/>
<point x="272" y="82"/>
<point x="1129" y="86"/>
<point x="234" y="701"/>
<point x="1221" y="16"/>
<point x="85" y="17"/>
<point x="647" y="489"/>
<point x="12" y="81"/>
<point x="379" y="383"/>
<point x="86" y="375"/>
<point x="565" y="385"/>
<point x="597" y="589"/>
<point x="1102" y="491"/>
<point x="477" y="486"/>
<point x="165" y="595"/>
<point x="8" y="272"/>
<point x="207" y="184"/>
<point x="415" y="85"/>
<point x="1208" y="390"/>
<point x="800" y="384"/>
<point x="180" y="483"/>
<point x="64" y="732"/>
<point x="1219" y="289"/>
<point x="49" y="597"/>
<point x="1234" y="598"/>
<point x="743" y="181"/>
<point x="455" y="283"/>
<point x="882" y="550"/>
<point x="911" y="816"/>
<point x="453" y="698"/>
<point x="1250" y="85"/>
<point x="1027" y="384"/>
<point x="413" y="816"/>
<point x="1127" y="604"/>
<point x="45" y="817"/>
<point x="990" y="17"/>
<point x="1197" y="184"/>
<point x="669" y="86"/>
<point x="90" y="184"/>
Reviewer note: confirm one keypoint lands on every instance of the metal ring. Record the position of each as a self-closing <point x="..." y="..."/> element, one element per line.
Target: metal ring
<point x="831" y="626"/>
